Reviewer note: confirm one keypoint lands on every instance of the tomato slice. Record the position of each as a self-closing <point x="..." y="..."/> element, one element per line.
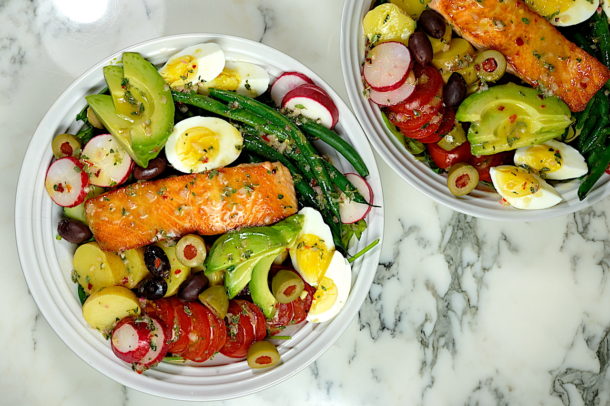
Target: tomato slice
<point x="429" y="83"/>
<point x="302" y="306"/>
<point x="426" y="130"/>
<point x="209" y="335"/>
<point x="240" y="333"/>
<point x="445" y="159"/>
<point x="219" y="332"/>
<point x="484" y="162"/>
<point x="162" y="310"/>
<point x="283" y="317"/>
<point x="182" y="325"/>
<point x="257" y="318"/>
<point x="199" y="336"/>
<point x="409" y="119"/>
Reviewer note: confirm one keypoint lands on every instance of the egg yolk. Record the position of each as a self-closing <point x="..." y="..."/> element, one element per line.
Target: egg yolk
<point x="312" y="256"/>
<point x="516" y="182"/>
<point x="227" y="80"/>
<point x="197" y="145"/>
<point x="324" y="297"/>
<point x="542" y="158"/>
<point x="548" y="8"/>
<point x="180" y="70"/>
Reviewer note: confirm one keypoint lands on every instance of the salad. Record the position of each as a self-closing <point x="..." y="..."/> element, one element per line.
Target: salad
<point x="510" y="96"/>
<point x="207" y="223"/>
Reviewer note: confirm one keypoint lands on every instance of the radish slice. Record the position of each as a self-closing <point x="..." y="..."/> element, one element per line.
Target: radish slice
<point x="386" y="66"/>
<point x="130" y="339"/>
<point x="285" y="83"/>
<point x="312" y="102"/>
<point x="158" y="346"/>
<point x="107" y="163"/>
<point x="396" y="96"/>
<point x="350" y="210"/>
<point x="66" y="182"/>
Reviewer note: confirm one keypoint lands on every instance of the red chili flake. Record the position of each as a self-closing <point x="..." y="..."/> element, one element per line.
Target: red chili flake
<point x="583" y="85"/>
<point x="66" y="149"/>
<point x="177" y="271"/>
<point x="194" y="66"/>
<point x="157" y="262"/>
<point x="165" y="197"/>
<point x="124" y="280"/>
<point x="190" y="252"/>
<point x="89" y="286"/>
<point x="519" y="41"/>
<point x="97" y="173"/>
<point x="264" y="360"/>
<point x="542" y="106"/>
<point x="501" y="108"/>
<point x="513" y="118"/>
<point x="490" y="65"/>
<point x="60" y="188"/>
<point x="265" y="137"/>
<point x="205" y="160"/>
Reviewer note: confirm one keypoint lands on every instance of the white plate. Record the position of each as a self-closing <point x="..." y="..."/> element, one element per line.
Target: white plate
<point x="479" y="203"/>
<point x="46" y="262"/>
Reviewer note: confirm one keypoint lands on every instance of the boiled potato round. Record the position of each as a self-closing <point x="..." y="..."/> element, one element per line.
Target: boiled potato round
<point x="458" y="58"/>
<point x="412" y="7"/>
<point x="135" y="267"/>
<point x="103" y="309"/>
<point x="178" y="272"/>
<point x="95" y="269"/>
<point x="387" y="22"/>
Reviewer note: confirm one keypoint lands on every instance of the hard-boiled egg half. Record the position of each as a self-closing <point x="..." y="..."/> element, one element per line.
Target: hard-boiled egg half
<point x="314" y="257"/>
<point x="564" y="12"/>
<point x="523" y="189"/>
<point x="193" y="65"/>
<point x="552" y="160"/>
<point x="200" y="144"/>
<point x="243" y="77"/>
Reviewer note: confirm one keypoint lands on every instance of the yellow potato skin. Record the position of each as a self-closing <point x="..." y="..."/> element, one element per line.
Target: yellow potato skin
<point x="413" y="8"/>
<point x="135" y="268"/>
<point x="95" y="269"/>
<point x="441" y="44"/>
<point x="387" y="22"/>
<point x="104" y="308"/>
<point x="458" y="58"/>
<point x="178" y="272"/>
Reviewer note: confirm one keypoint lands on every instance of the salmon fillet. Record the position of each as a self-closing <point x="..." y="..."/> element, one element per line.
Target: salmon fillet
<point x="207" y="203"/>
<point x="535" y="50"/>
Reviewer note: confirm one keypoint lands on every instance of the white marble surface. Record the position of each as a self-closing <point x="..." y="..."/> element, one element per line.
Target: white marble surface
<point x="462" y="311"/>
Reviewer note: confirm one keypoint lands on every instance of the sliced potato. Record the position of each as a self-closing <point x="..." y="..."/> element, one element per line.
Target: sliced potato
<point x="135" y="268"/>
<point x="95" y="269"/>
<point x="387" y="22"/>
<point x="458" y="58"/>
<point x="441" y="44"/>
<point x="412" y="7"/>
<point x="178" y="272"/>
<point x="103" y="309"/>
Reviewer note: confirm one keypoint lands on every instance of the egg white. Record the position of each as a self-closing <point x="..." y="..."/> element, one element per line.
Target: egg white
<point x="229" y="144"/>
<point x="546" y="196"/>
<point x="340" y="272"/>
<point x="252" y="79"/>
<point x="209" y="59"/>
<point x="573" y="164"/>
<point x="313" y="224"/>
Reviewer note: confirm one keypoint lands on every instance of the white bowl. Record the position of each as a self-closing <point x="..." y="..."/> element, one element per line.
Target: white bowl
<point x="479" y="203"/>
<point x="47" y="263"/>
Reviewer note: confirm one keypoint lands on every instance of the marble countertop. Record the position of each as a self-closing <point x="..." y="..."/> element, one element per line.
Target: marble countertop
<point x="462" y="311"/>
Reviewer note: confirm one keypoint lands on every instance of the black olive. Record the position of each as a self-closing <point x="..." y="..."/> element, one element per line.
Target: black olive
<point x="433" y="23"/>
<point x="73" y="231"/>
<point x="156" y="261"/>
<point x="421" y="48"/>
<point x="155" y="168"/>
<point x="152" y="288"/>
<point x="454" y="90"/>
<point x="192" y="287"/>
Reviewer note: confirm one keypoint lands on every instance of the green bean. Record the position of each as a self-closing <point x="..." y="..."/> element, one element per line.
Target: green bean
<point x="333" y="139"/>
<point x="305" y="154"/>
<point x="598" y="162"/>
<point x="602" y="32"/>
<point x="583" y="117"/>
<point x="85" y="133"/>
<point x="343" y="183"/>
<point x="254" y="144"/>
<point x="590" y="123"/>
<point x="598" y="137"/>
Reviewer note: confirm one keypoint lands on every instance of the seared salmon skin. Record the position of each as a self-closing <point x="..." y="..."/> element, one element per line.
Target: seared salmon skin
<point x="535" y="50"/>
<point x="207" y="203"/>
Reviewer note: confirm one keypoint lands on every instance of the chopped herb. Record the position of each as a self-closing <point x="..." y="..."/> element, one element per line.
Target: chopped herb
<point x="525" y="20"/>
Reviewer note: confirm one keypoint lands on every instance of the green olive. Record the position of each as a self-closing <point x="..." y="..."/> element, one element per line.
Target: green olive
<point x="490" y="65"/>
<point x="462" y="179"/>
<point x="216" y="278"/>
<point x="263" y="354"/>
<point x="190" y="250"/>
<point x="65" y="145"/>
<point x="454" y="138"/>
<point x="216" y="299"/>
<point x="93" y="119"/>
<point x="286" y="286"/>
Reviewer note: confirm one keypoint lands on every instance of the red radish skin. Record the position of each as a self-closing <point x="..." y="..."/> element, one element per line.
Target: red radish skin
<point x="130" y="340"/>
<point x="106" y="161"/>
<point x="312" y="102"/>
<point x="396" y="96"/>
<point x="387" y="66"/>
<point x="350" y="210"/>
<point x="285" y="83"/>
<point x="66" y="182"/>
<point x="158" y="346"/>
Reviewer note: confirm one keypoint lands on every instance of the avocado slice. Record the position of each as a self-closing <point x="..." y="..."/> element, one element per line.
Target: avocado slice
<point x="510" y="116"/>
<point x="236" y="278"/>
<point x="259" y="287"/>
<point x="142" y="114"/>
